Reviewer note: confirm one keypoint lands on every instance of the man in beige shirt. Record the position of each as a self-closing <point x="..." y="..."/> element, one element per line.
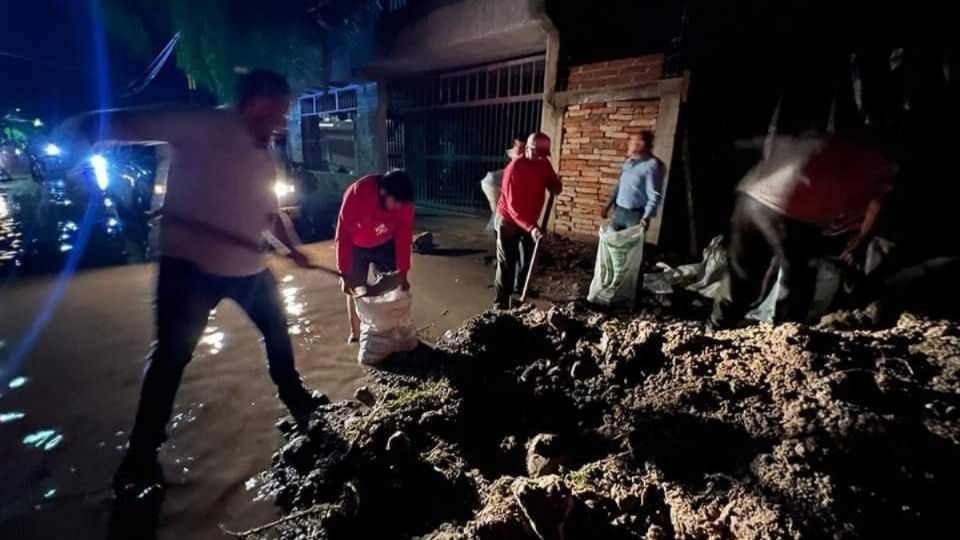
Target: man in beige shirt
<point x="219" y="202"/>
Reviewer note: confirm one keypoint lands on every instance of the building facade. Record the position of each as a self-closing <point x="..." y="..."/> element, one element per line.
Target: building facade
<point x="454" y="82"/>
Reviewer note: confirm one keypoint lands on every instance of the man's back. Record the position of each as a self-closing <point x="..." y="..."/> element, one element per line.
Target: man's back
<point x="218" y="178"/>
<point x="524" y="183"/>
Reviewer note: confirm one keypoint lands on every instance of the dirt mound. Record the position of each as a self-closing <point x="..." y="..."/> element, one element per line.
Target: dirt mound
<point x="572" y="424"/>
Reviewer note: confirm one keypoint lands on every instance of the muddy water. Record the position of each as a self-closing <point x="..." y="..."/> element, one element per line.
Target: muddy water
<point x="66" y="415"/>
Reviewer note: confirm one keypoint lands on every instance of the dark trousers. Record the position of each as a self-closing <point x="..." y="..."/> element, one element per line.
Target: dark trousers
<point x="185" y="296"/>
<point x="761" y="242"/>
<point x="383" y="258"/>
<point x="514" y="251"/>
<point x="624" y="218"/>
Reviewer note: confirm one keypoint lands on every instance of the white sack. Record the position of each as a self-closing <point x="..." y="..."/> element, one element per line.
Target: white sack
<point x="619" y="256"/>
<point x="386" y="326"/>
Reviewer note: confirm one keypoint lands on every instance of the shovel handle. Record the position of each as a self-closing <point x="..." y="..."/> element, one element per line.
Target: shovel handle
<point x="536" y="248"/>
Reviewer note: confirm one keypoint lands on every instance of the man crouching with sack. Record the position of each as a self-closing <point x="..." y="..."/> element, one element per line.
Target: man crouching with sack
<point x="375" y="227"/>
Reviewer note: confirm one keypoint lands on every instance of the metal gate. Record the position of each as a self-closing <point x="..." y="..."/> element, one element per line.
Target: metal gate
<point x="448" y="130"/>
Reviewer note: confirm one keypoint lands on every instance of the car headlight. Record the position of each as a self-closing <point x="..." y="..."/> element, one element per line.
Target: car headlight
<point x="52" y="150"/>
<point x="283" y="189"/>
<point x="99" y="164"/>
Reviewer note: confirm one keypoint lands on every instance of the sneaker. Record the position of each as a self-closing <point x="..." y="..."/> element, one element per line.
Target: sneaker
<point x="139" y="473"/>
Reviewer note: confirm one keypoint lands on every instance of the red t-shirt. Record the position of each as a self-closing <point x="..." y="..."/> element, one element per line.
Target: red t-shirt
<point x="364" y="223"/>
<point x="842" y="179"/>
<point x="522" y="196"/>
<point x="828" y="183"/>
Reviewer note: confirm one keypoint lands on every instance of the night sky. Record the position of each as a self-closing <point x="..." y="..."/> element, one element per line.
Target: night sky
<point x="64" y="72"/>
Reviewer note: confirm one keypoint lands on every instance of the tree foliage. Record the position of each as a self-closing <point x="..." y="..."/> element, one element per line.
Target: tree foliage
<point x="219" y="36"/>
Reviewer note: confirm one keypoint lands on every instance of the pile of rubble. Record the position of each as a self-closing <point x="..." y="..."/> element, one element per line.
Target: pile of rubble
<point x="564" y="269"/>
<point x="573" y="424"/>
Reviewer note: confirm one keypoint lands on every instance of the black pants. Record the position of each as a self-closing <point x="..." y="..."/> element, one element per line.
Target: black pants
<point x="185" y="296"/>
<point x="514" y="251"/>
<point x="382" y="257"/>
<point x="761" y="242"/>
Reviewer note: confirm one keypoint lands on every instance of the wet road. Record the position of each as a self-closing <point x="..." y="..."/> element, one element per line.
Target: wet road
<point x="44" y="226"/>
<point x="64" y="417"/>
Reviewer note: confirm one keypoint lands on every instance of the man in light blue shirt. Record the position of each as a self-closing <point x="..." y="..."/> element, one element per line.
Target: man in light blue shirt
<point x="637" y="196"/>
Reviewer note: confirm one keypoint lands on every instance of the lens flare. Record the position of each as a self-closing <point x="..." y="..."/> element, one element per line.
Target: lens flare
<point x="99" y="164"/>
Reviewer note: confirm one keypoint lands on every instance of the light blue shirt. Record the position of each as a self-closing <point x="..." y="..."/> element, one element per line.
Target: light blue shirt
<point x="641" y="185"/>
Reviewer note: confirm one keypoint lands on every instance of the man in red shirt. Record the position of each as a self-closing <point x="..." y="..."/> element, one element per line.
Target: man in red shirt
<point x="525" y="181"/>
<point x="804" y="191"/>
<point x="375" y="227"/>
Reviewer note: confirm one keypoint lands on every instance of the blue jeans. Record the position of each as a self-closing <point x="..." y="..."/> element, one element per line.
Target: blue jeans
<point x="624" y="219"/>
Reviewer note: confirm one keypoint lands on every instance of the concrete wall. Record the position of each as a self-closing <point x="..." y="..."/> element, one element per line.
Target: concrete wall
<point x="294" y="134"/>
<point x="368" y="143"/>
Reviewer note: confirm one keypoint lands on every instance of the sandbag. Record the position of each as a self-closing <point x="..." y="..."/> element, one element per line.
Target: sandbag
<point x="619" y="256"/>
<point x="709" y="278"/>
<point x="386" y="326"/>
<point x="490" y="185"/>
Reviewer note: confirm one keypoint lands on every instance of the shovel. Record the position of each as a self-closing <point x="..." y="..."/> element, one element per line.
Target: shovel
<point x="536" y="248"/>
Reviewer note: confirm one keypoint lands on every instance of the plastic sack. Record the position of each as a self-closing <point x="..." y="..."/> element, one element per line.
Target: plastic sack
<point x="709" y="278"/>
<point x="619" y="256"/>
<point x="490" y="185"/>
<point x="386" y="326"/>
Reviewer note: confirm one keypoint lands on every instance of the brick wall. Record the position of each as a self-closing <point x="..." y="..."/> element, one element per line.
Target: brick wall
<point x="625" y="72"/>
<point x="592" y="150"/>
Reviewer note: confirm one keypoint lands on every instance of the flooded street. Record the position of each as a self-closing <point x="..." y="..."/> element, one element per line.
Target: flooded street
<point x="47" y="227"/>
<point x="64" y="414"/>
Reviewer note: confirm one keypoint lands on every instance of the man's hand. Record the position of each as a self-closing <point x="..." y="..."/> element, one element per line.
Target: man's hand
<point x="854" y="251"/>
<point x="404" y="282"/>
<point x="605" y="212"/>
<point x="644" y="223"/>
<point x="301" y="259"/>
<point x="536" y="234"/>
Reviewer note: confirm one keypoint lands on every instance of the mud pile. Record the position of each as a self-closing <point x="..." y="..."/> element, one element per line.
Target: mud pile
<point x="573" y="424"/>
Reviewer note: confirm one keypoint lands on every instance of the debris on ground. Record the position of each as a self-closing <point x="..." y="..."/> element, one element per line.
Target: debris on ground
<point x="568" y="423"/>
<point x="564" y="268"/>
<point x="423" y="243"/>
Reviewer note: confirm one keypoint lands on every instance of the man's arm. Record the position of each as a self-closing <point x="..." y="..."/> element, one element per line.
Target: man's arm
<point x="871" y="219"/>
<point x="554" y="185"/>
<point x="605" y="213"/>
<point x="131" y="126"/>
<point x="284" y="232"/>
<point x="403" y="241"/>
<point x="654" y="188"/>
<point x="868" y="229"/>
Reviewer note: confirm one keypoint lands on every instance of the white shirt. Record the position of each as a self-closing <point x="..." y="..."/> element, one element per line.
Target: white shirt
<point x="774" y="180"/>
<point x="217" y="177"/>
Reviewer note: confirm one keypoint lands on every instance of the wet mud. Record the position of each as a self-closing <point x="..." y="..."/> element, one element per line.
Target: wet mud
<point x="568" y="423"/>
